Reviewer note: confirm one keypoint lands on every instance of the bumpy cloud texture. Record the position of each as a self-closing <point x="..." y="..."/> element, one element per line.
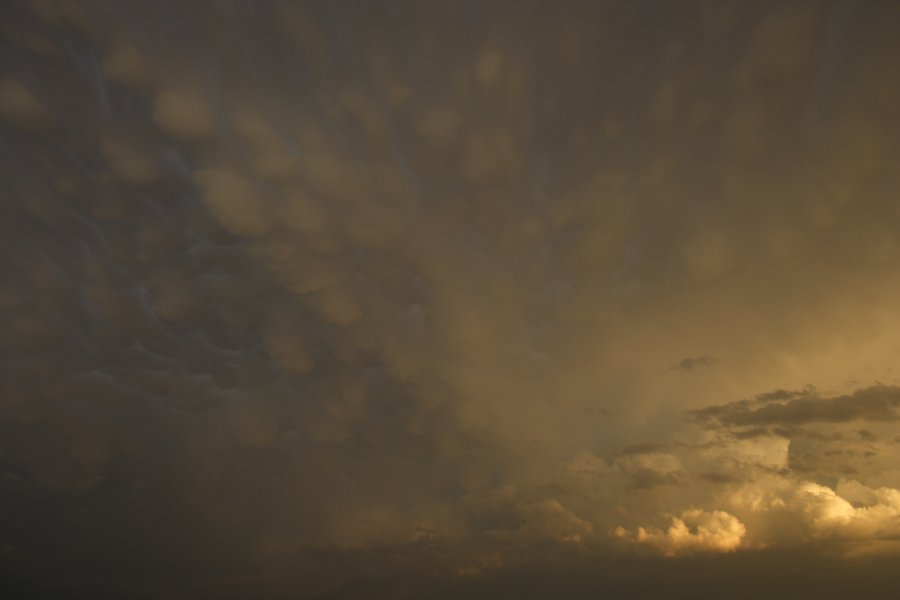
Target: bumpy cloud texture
<point x="404" y="299"/>
<point x="715" y="531"/>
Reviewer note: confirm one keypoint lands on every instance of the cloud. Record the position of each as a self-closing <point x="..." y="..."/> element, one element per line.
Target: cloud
<point x="184" y="115"/>
<point x="650" y="469"/>
<point x="688" y="364"/>
<point x="693" y="531"/>
<point x="237" y="204"/>
<point x="306" y="300"/>
<point x="130" y="164"/>
<point x="805" y="511"/>
<point x="875" y="403"/>
<point x="19" y="106"/>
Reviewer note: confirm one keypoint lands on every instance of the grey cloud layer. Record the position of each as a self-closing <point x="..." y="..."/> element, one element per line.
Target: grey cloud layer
<point x="874" y="403"/>
<point x="294" y="293"/>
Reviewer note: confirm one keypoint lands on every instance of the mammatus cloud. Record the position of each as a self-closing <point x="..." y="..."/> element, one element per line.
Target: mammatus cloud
<point x="20" y="106"/>
<point x="348" y="299"/>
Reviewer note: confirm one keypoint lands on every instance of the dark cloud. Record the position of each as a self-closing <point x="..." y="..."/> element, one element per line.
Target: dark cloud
<point x="867" y="435"/>
<point x="350" y="299"/>
<point x="875" y="403"/>
<point x="687" y="364"/>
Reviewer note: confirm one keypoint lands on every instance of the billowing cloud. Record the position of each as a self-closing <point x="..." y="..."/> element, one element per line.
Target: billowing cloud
<point x="693" y="530"/>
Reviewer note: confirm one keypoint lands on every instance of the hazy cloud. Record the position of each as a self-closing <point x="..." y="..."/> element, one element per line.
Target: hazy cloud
<point x="687" y="364"/>
<point x="350" y="299"/>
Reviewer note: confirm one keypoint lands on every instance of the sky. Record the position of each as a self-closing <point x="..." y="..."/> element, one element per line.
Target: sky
<point x="449" y="299"/>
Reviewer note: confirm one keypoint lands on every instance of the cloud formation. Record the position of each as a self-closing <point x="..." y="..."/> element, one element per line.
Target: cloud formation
<point x="687" y="364"/>
<point x="327" y="299"/>
<point x="875" y="403"/>
<point x="693" y="530"/>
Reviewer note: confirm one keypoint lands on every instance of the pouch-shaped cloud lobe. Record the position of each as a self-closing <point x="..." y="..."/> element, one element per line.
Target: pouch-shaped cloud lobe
<point x="348" y="299"/>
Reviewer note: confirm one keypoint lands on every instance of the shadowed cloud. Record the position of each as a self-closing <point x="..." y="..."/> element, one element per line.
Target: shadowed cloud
<point x="400" y="299"/>
<point x="875" y="403"/>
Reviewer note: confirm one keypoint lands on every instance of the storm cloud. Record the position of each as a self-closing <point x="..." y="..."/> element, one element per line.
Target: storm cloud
<point x="423" y="299"/>
<point x="875" y="403"/>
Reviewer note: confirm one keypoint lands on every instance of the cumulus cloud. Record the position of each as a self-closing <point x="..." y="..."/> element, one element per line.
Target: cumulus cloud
<point x="787" y="486"/>
<point x="694" y="530"/>
<point x="796" y="511"/>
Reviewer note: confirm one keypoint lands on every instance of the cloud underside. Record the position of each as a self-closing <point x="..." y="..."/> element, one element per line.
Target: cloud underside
<point x="788" y="409"/>
<point x="295" y="296"/>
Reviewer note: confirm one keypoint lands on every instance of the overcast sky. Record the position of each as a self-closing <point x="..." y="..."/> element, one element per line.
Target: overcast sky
<point x="467" y="299"/>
